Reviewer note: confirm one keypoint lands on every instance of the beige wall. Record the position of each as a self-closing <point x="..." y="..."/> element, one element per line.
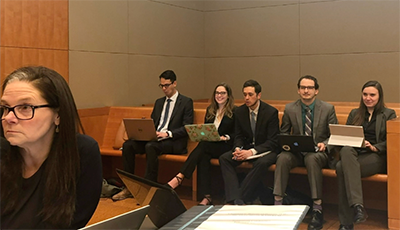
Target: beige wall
<point x="119" y="48"/>
<point x="342" y="43"/>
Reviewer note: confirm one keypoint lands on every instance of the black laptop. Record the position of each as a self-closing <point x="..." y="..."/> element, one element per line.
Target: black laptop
<point x="164" y="202"/>
<point x="297" y="143"/>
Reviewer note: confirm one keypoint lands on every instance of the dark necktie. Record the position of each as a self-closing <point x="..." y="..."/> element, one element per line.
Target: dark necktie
<point x="253" y="123"/>
<point x="165" y="115"/>
<point x="308" y="125"/>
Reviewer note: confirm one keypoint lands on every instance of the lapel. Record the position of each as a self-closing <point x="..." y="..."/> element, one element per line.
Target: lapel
<point x="299" y="116"/>
<point x="378" y="126"/>
<point x="246" y="121"/>
<point x="159" y="110"/>
<point x="177" y="103"/>
<point x="317" y="116"/>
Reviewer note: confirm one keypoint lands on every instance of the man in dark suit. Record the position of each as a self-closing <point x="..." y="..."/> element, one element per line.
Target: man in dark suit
<point x="306" y="116"/>
<point x="256" y="130"/>
<point x="170" y="115"/>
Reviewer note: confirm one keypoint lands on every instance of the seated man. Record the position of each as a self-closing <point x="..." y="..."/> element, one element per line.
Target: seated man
<point x="306" y="116"/>
<point x="170" y="115"/>
<point x="256" y="127"/>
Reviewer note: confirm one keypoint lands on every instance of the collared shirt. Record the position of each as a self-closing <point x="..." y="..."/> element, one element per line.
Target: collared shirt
<point x="369" y="127"/>
<point x="171" y="108"/>
<point x="304" y="112"/>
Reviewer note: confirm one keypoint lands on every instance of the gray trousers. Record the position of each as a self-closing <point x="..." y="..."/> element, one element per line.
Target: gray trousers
<point x="350" y="169"/>
<point x="314" y="162"/>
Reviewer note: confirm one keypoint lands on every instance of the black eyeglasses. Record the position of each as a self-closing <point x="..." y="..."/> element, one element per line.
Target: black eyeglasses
<point x="21" y="112"/>
<point x="220" y="93"/>
<point x="165" y="85"/>
<point x="307" y="87"/>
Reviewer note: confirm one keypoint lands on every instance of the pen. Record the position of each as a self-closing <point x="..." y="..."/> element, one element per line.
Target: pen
<point x="240" y="148"/>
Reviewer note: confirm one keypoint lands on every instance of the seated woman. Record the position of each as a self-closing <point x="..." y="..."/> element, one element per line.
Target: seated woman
<point x="220" y="112"/>
<point x="51" y="176"/>
<point x="356" y="163"/>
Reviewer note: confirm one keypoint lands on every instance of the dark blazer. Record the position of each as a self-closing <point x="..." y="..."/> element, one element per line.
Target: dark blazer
<point x="227" y="126"/>
<point x="324" y="114"/>
<point x="267" y="128"/>
<point x="380" y="128"/>
<point x="181" y="115"/>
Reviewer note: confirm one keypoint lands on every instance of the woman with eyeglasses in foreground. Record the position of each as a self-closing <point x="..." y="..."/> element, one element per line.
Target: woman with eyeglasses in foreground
<point x="219" y="112"/>
<point x="356" y="163"/>
<point x="51" y="176"/>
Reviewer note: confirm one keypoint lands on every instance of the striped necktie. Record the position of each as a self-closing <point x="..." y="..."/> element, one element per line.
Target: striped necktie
<point x="308" y="125"/>
<point x="165" y="115"/>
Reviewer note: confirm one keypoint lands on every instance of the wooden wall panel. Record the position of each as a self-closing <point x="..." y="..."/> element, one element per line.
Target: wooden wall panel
<point x="34" y="33"/>
<point x="35" y="24"/>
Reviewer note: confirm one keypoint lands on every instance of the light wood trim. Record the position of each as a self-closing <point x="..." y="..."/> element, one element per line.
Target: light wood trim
<point x="393" y="170"/>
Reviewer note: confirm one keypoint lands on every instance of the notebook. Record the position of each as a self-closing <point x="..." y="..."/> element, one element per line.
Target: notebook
<point x="297" y="143"/>
<point x="129" y="220"/>
<point x="202" y="132"/>
<point x="140" y="129"/>
<point x="346" y="135"/>
<point x="164" y="202"/>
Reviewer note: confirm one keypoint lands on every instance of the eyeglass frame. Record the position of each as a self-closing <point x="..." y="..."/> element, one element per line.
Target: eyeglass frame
<point x="222" y="93"/>
<point x="302" y="87"/>
<point x="165" y="85"/>
<point x="11" y="109"/>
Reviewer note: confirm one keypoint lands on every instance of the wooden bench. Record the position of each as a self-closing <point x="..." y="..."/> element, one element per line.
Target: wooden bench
<point x="103" y="123"/>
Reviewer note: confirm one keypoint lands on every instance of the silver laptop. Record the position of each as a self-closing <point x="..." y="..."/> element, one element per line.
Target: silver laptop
<point x="129" y="220"/>
<point x="346" y="135"/>
<point x="140" y="129"/>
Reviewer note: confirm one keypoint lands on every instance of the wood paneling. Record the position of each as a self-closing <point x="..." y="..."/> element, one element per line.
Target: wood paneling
<point x="35" y="24"/>
<point x="393" y="161"/>
<point x="34" y="33"/>
<point x="13" y="58"/>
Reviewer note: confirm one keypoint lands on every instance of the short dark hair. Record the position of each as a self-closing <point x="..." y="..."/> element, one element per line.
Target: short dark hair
<point x="252" y="83"/>
<point x="168" y="75"/>
<point x="310" y="78"/>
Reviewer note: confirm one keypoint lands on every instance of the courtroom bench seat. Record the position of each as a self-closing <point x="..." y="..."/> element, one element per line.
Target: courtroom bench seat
<point x="111" y="117"/>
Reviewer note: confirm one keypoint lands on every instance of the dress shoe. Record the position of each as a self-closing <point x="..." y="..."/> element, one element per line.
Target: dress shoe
<point x="360" y="215"/>
<point x="122" y="195"/>
<point x="238" y="202"/>
<point x="317" y="220"/>
<point x="346" y="227"/>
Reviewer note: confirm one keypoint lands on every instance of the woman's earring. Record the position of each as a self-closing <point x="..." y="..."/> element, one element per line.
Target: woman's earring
<point x="57" y="129"/>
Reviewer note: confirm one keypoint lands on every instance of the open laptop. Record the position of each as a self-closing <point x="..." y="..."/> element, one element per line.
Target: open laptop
<point x="140" y="129"/>
<point x="164" y="202"/>
<point x="346" y="135"/>
<point x="202" y="132"/>
<point x="297" y="143"/>
<point x="128" y="220"/>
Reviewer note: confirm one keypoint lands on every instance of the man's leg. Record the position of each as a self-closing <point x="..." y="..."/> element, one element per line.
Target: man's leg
<point x="256" y="175"/>
<point x="284" y="163"/>
<point x="314" y="163"/>
<point x="153" y="150"/>
<point x="231" y="181"/>
<point x="129" y="149"/>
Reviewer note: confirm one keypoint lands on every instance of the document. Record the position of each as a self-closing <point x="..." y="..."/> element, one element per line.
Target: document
<point x="257" y="155"/>
<point x="256" y="217"/>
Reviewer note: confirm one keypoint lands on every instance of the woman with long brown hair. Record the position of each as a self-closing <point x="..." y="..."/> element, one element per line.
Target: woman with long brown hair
<point x="356" y="163"/>
<point x="221" y="113"/>
<point x="51" y="176"/>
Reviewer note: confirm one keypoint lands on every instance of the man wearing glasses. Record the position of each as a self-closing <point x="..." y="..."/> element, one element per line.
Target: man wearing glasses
<point x="306" y="116"/>
<point x="170" y="115"/>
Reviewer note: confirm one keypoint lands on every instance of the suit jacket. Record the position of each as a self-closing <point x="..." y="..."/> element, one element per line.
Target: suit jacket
<point x="181" y="115"/>
<point x="324" y="114"/>
<point x="380" y="128"/>
<point x="227" y="126"/>
<point x="267" y="128"/>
